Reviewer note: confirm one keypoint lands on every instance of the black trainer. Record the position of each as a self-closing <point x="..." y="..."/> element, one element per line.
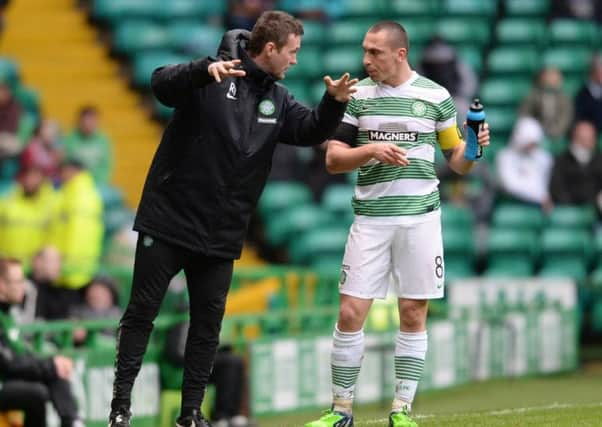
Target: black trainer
<point x="194" y="420"/>
<point x="120" y="418"/>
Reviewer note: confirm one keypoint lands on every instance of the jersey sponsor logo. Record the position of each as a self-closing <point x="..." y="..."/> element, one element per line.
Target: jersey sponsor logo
<point x="382" y="136"/>
<point x="232" y="92"/>
<point x="266" y="107"/>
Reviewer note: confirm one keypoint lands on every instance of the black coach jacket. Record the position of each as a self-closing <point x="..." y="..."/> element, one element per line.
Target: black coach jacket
<point x="216" y="152"/>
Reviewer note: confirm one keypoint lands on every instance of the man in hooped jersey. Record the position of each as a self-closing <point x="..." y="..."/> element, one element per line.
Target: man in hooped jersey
<point x="389" y="133"/>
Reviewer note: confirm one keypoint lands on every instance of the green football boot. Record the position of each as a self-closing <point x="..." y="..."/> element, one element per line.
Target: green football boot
<point x="401" y="419"/>
<point x="332" y="419"/>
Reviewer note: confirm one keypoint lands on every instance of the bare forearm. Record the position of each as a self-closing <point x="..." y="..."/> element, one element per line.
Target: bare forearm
<point x="341" y="160"/>
<point x="456" y="160"/>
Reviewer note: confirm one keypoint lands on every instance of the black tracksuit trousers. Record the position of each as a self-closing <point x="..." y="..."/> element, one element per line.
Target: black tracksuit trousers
<point x="208" y="280"/>
<point x="31" y="397"/>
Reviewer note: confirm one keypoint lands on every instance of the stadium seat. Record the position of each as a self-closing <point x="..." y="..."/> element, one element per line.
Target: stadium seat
<point x="477" y="8"/>
<point x="454" y="217"/>
<point x="294" y="220"/>
<point x="517" y="217"/>
<point x="572" y="84"/>
<point x="144" y="64"/>
<point x="192" y="38"/>
<point x="570" y="268"/>
<point x="504" y="92"/>
<point x="419" y="30"/>
<point x="363" y="8"/>
<point x="570" y="60"/>
<point x="501" y="120"/>
<point x="349" y="32"/>
<point x="573" y="32"/>
<point x="459" y="250"/>
<point x="472" y="55"/>
<point x="509" y="60"/>
<point x="596" y="317"/>
<point x="511" y="252"/>
<point x="463" y="31"/>
<point x="174" y="10"/>
<point x="318" y="243"/>
<point x="299" y="88"/>
<point x="521" y="31"/>
<point x="567" y="250"/>
<point x="314" y="33"/>
<point x="132" y="37"/>
<point x="337" y="61"/>
<point x="113" y="11"/>
<point x="309" y="63"/>
<point x="413" y="8"/>
<point x="527" y="7"/>
<point x="572" y="217"/>
<point x="337" y="198"/>
<point x="279" y="195"/>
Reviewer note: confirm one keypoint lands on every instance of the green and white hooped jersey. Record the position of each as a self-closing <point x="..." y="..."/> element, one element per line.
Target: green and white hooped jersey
<point x="409" y="115"/>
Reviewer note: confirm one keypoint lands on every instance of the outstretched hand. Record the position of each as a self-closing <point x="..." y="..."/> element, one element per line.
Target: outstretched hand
<point x="342" y="88"/>
<point x="222" y="69"/>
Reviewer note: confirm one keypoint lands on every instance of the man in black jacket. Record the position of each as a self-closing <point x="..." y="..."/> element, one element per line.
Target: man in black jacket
<point x="203" y="184"/>
<point x="29" y="381"/>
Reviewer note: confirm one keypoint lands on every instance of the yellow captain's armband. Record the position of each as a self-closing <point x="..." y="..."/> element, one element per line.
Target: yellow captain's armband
<point x="449" y="138"/>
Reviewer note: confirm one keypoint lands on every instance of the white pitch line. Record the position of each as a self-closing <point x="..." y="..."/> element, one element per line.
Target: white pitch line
<point x="511" y="411"/>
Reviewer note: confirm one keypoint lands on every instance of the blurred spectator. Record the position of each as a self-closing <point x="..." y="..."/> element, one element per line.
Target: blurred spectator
<point x="3" y="5"/>
<point x="100" y="302"/>
<point x="588" y="102"/>
<point x="11" y="112"/>
<point x="549" y="104"/>
<point x="77" y="230"/>
<point x="53" y="302"/>
<point x="440" y="63"/>
<point x="580" y="9"/>
<point x="29" y="381"/>
<point x="43" y="149"/>
<point x="26" y="213"/>
<point x="242" y="14"/>
<point x="89" y="146"/>
<point x="577" y="173"/>
<point x="524" y="166"/>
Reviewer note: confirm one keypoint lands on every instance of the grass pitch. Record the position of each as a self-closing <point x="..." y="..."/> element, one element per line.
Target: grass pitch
<point x="571" y="400"/>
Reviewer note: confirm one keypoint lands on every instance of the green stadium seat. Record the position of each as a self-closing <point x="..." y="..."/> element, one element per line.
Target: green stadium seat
<point x="480" y="8"/>
<point x="454" y="217"/>
<point x="472" y="55"/>
<point x="573" y="32"/>
<point x="565" y="268"/>
<point x="318" y="243"/>
<point x="337" y="198"/>
<point x="501" y="120"/>
<point x="504" y="92"/>
<point x="173" y="10"/>
<point x="413" y="8"/>
<point x="572" y="217"/>
<point x="363" y="8"/>
<point x="527" y="7"/>
<point x="596" y="317"/>
<point x="566" y="249"/>
<point x="419" y="30"/>
<point x="517" y="217"/>
<point x="316" y="91"/>
<point x="572" y="84"/>
<point x="193" y="38"/>
<point x="570" y="60"/>
<point x="9" y="71"/>
<point x="293" y="221"/>
<point x="113" y="11"/>
<point x="509" y="60"/>
<point x="462" y="31"/>
<point x="511" y="252"/>
<point x="521" y="31"/>
<point x="458" y="249"/>
<point x="340" y="60"/>
<point x="299" y="88"/>
<point x="131" y="37"/>
<point x="145" y="63"/>
<point x="348" y="31"/>
<point x="278" y="195"/>
<point x="309" y="63"/>
<point x="314" y="33"/>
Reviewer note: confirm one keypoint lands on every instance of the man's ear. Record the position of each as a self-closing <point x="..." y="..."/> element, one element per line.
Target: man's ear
<point x="270" y="48"/>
